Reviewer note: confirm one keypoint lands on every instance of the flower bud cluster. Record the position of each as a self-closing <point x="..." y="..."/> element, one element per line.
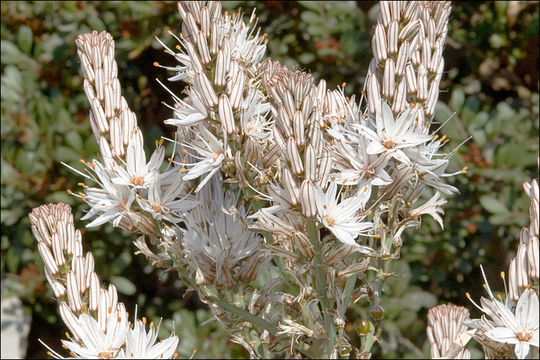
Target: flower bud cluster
<point x="97" y="321"/>
<point x="444" y="331"/>
<point x="524" y="268"/>
<point x="407" y="66"/>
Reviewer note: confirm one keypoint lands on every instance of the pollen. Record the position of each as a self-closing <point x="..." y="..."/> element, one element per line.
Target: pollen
<point x="137" y="180"/>
<point x="388" y="143"/>
<point x="524" y="335"/>
<point x="330" y="221"/>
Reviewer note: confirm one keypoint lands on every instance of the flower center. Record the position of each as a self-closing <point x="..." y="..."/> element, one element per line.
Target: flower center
<point x="106" y="355"/>
<point x="388" y="143"/>
<point x="216" y="156"/>
<point x="524" y="335"/>
<point x="158" y="208"/>
<point x="329" y="220"/>
<point x="137" y="180"/>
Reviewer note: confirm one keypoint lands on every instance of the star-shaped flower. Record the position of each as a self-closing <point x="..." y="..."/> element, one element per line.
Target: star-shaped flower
<point x="341" y="218"/>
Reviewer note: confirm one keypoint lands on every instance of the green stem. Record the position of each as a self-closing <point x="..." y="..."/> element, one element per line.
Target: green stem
<point x="320" y="285"/>
<point x="246" y="315"/>
<point x="348" y="291"/>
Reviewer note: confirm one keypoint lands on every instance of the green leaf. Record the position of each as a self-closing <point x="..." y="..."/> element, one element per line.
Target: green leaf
<point x="96" y="23"/>
<point x="123" y="285"/>
<point x="64" y="153"/>
<point x="74" y="140"/>
<point x="24" y="39"/>
<point x="313" y="5"/>
<point x="501" y="219"/>
<point x="311" y="18"/>
<point x="415" y="300"/>
<point x="10" y="53"/>
<point x="457" y="99"/>
<point x="60" y="196"/>
<point x="306" y="58"/>
<point x="493" y="205"/>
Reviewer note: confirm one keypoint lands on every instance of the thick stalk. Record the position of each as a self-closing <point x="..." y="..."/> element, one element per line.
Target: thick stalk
<point x="320" y="285"/>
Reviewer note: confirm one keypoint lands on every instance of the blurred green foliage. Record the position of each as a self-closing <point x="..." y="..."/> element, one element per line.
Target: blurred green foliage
<point x="490" y="93"/>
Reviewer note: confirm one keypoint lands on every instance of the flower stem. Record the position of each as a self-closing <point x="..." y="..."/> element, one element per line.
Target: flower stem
<point x="247" y="316"/>
<point x="320" y="285"/>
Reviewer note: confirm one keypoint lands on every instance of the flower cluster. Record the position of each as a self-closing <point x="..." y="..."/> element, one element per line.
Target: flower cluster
<point x="274" y="177"/>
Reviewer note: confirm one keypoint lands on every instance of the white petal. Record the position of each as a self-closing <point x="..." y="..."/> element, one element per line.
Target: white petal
<point x="503" y="334"/>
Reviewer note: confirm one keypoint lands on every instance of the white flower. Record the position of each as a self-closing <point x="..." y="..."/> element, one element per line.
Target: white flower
<point x="392" y="136"/>
<point x="507" y="325"/>
<point x="342" y="218"/>
<point x="521" y="328"/>
<point x="254" y="111"/>
<point x="138" y="173"/>
<point x="245" y="45"/>
<point x="111" y="202"/>
<point x="211" y="154"/>
<point x="189" y="111"/>
<point x="217" y="239"/>
<point x="97" y="342"/>
<point x="142" y="345"/>
<point x="431" y="207"/>
<point x="364" y="168"/>
<point x="168" y="202"/>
